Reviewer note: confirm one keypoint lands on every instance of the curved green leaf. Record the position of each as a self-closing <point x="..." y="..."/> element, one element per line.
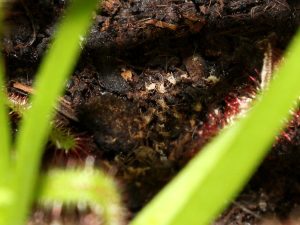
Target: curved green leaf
<point x="88" y="186"/>
<point x="51" y="78"/>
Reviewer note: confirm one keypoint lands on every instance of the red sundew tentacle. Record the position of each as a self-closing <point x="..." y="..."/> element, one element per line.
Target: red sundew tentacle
<point x="82" y="146"/>
<point x="18" y="104"/>
<point x="18" y="99"/>
<point x="286" y="136"/>
<point x="254" y="80"/>
<point x="81" y="149"/>
<point x="290" y="132"/>
<point x="237" y="102"/>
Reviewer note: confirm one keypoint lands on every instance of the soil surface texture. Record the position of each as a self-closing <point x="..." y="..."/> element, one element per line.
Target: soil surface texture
<point x="156" y="80"/>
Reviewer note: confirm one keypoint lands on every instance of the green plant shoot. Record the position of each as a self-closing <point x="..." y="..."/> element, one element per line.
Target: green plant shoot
<point x="51" y="78"/>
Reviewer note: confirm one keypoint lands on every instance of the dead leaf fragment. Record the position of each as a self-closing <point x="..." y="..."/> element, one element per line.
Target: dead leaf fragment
<point x="127" y="75"/>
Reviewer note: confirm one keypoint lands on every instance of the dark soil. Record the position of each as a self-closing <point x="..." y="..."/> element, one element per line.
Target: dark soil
<point x="156" y="81"/>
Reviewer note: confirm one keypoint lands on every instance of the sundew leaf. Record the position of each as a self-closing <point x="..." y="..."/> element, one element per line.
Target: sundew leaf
<point x="82" y="186"/>
<point x="60" y="137"/>
<point x="51" y="77"/>
<point x="216" y="175"/>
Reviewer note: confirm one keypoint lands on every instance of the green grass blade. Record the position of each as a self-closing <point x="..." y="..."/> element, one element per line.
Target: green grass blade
<point x="51" y="79"/>
<point x="5" y="137"/>
<point x="6" y="197"/>
<point x="5" y="147"/>
<point x="88" y="186"/>
<point x="208" y="183"/>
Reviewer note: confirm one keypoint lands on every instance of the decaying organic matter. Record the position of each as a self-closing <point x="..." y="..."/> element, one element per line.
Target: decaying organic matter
<point x="117" y="127"/>
<point x="157" y="79"/>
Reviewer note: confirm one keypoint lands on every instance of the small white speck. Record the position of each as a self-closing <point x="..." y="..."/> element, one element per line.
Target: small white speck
<point x="171" y="78"/>
<point x="161" y="88"/>
<point x="150" y="87"/>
